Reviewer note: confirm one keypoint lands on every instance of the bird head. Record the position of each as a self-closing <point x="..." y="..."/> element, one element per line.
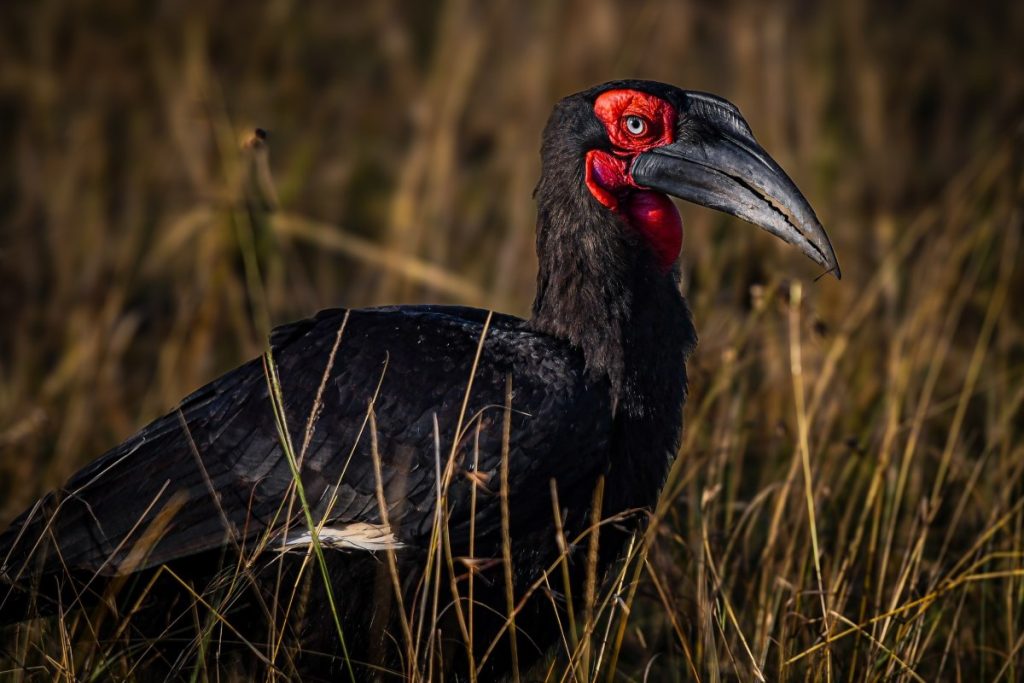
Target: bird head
<point x="640" y="141"/>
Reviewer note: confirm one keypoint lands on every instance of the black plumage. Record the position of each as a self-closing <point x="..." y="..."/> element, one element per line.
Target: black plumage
<point x="591" y="387"/>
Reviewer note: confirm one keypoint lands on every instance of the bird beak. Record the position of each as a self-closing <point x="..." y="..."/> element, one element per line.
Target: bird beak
<point x="716" y="162"/>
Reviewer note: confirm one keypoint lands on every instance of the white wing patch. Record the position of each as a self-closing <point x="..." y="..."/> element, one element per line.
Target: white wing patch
<point x="354" y="536"/>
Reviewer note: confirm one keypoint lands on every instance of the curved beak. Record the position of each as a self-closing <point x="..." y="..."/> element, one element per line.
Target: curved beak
<point x="716" y="162"/>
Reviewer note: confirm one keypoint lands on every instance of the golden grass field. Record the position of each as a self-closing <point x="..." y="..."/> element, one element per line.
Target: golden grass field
<point x="848" y="503"/>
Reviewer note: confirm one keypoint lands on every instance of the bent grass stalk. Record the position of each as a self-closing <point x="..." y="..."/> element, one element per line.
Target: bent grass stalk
<point x="277" y="399"/>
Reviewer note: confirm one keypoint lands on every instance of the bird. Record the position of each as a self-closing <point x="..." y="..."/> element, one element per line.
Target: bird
<point x="350" y="489"/>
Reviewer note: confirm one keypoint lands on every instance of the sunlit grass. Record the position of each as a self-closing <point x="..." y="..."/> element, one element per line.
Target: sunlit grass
<point x="846" y="504"/>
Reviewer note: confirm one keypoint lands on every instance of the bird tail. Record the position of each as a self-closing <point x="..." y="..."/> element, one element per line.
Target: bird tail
<point x="20" y="578"/>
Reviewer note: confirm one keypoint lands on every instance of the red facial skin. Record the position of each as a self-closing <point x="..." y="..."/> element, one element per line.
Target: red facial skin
<point x="608" y="179"/>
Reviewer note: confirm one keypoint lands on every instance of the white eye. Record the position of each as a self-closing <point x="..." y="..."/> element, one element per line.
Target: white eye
<point x="635" y="125"/>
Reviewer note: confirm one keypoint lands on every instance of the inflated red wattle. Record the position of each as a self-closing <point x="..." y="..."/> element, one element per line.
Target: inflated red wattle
<point x="651" y="213"/>
<point x="657" y="218"/>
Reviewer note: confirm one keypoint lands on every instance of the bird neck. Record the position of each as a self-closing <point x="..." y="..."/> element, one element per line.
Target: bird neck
<point x="600" y="288"/>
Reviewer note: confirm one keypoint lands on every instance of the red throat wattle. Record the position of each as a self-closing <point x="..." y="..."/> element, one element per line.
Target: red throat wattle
<point x="656" y="217"/>
<point x="636" y="122"/>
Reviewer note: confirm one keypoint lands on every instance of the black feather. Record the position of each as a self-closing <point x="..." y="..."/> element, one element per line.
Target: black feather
<point x="598" y="383"/>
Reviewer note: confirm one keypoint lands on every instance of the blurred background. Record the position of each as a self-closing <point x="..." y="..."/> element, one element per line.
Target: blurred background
<point x="149" y="239"/>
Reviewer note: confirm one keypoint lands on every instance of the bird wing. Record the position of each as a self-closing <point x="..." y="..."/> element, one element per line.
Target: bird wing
<point x="353" y="388"/>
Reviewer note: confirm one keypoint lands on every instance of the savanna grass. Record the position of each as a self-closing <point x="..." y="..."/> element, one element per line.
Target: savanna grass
<point x="847" y="504"/>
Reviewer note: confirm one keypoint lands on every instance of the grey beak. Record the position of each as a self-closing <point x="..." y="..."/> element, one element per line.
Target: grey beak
<point x="716" y="162"/>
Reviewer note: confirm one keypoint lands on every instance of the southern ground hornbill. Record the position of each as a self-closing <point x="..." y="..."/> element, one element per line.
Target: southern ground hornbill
<point x="358" y="422"/>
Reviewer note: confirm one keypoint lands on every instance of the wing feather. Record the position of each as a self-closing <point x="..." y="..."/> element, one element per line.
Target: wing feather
<point x="216" y="470"/>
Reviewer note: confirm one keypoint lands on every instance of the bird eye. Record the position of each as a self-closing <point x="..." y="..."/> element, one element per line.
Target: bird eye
<point x="635" y="125"/>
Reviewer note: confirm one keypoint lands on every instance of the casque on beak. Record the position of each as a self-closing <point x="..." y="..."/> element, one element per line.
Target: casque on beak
<point x="716" y="162"/>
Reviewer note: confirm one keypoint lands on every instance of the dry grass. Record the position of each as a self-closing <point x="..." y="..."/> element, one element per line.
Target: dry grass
<point x="848" y="504"/>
